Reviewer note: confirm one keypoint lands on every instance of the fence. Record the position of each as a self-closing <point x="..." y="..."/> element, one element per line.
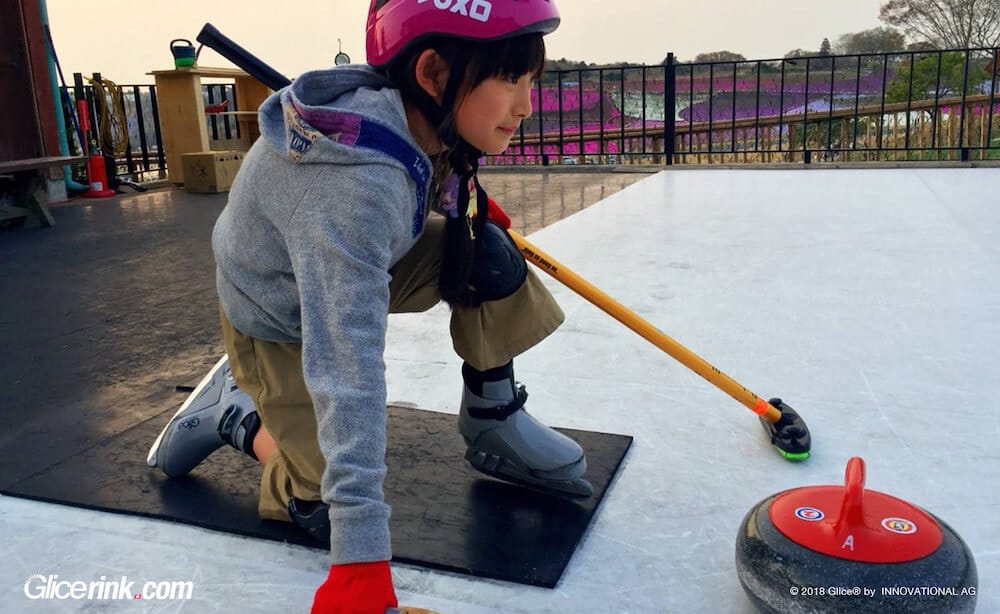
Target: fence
<point x="912" y="105"/>
<point x="908" y="105"/>
<point x="140" y="154"/>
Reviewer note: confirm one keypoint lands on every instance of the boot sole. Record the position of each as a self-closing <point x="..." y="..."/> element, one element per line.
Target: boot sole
<point x="501" y="468"/>
<point x="205" y="381"/>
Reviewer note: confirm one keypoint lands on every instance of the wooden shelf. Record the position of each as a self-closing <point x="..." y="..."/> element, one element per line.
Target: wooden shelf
<point x="183" y="121"/>
<point x="206" y="71"/>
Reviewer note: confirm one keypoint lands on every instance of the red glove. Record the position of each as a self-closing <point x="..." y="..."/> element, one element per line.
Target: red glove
<point x="498" y="215"/>
<point x="358" y="588"/>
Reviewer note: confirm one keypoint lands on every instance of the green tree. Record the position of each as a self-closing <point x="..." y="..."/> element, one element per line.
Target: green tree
<point x="957" y="24"/>
<point x="799" y="53"/>
<point x="564" y="64"/>
<point x="926" y="79"/>
<point x="824" y="61"/>
<point x="875" y="40"/>
<point x="719" y="56"/>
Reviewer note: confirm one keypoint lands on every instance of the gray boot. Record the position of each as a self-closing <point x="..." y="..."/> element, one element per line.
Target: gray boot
<point x="506" y="442"/>
<point x="215" y="413"/>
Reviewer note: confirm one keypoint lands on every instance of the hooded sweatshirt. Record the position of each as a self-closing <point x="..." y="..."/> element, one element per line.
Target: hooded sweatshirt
<point x="330" y="197"/>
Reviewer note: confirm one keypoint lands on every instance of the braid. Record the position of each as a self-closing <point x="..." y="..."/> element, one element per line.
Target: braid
<point x="458" y="247"/>
<point x="460" y="158"/>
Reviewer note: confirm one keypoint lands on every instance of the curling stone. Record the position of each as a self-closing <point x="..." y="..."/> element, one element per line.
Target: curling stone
<point x="847" y="549"/>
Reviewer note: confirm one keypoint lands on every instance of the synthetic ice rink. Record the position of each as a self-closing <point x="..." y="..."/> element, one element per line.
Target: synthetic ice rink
<point x="866" y="299"/>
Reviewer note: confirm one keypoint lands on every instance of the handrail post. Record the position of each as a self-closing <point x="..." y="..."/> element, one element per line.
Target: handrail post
<point x="670" y="110"/>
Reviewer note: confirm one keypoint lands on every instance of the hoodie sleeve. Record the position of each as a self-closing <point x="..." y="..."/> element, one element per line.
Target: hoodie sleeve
<point x="339" y="241"/>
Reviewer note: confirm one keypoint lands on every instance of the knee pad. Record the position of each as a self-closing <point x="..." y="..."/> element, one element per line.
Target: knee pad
<point x="499" y="268"/>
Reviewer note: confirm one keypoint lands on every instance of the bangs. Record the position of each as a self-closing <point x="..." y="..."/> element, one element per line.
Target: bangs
<point x="514" y="56"/>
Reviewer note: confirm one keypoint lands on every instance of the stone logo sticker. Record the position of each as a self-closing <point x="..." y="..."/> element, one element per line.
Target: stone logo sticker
<point x="809" y="514"/>
<point x="901" y="526"/>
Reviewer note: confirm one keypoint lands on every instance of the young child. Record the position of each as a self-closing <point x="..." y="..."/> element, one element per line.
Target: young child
<point x="326" y="232"/>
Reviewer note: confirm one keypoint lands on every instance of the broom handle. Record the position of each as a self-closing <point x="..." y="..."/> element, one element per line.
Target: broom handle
<point x="649" y="332"/>
<point x="214" y="39"/>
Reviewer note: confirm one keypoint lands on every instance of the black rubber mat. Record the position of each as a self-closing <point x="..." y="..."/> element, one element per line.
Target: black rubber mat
<point x="105" y="314"/>
<point x="444" y="514"/>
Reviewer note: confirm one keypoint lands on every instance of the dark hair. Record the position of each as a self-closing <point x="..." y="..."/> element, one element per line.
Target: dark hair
<point x="470" y="63"/>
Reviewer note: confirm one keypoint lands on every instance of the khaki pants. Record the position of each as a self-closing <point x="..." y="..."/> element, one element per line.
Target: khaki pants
<point x="487" y="336"/>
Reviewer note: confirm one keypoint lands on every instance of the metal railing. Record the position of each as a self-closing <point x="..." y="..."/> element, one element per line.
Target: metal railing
<point x="143" y="158"/>
<point x="901" y="106"/>
<point x="912" y="105"/>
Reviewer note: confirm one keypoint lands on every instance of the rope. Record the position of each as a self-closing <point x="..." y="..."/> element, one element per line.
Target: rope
<point x="113" y="124"/>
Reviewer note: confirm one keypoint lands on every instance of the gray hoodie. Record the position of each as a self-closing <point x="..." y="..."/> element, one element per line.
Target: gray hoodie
<point x="333" y="195"/>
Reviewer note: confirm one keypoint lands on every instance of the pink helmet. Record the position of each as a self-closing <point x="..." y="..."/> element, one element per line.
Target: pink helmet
<point x="394" y="25"/>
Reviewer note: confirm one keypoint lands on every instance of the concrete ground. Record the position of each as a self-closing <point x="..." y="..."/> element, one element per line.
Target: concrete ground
<point x="533" y="198"/>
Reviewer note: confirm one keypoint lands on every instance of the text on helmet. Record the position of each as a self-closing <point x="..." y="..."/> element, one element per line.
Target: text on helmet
<point x="474" y="9"/>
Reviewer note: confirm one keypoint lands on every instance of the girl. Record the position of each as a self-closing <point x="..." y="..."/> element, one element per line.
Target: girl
<point x="326" y="232"/>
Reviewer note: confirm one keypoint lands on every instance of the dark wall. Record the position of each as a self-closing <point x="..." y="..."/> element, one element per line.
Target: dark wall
<point x="27" y="118"/>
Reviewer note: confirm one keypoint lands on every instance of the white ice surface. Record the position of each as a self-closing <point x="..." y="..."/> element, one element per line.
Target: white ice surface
<point x="867" y="299"/>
